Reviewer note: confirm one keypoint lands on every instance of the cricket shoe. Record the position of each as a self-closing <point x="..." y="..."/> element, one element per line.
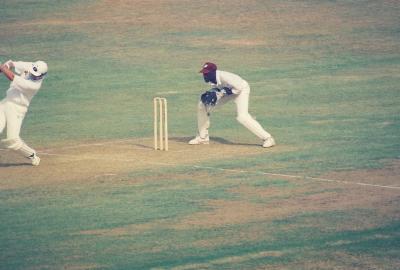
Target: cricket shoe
<point x="35" y="160"/>
<point x="199" y="140"/>
<point x="269" y="142"/>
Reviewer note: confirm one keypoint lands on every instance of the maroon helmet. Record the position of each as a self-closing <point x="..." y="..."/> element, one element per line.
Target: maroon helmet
<point x="208" y="67"/>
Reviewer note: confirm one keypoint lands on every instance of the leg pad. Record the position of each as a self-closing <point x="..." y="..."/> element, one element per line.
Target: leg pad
<point x="18" y="145"/>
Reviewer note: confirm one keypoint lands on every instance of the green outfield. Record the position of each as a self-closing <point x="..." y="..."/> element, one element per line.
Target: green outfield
<point x="324" y="79"/>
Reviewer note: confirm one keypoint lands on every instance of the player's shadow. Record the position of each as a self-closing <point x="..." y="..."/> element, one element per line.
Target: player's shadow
<point x="139" y="145"/>
<point x="181" y="139"/>
<point x="213" y="139"/>
<point x="6" y="165"/>
<point x="225" y="141"/>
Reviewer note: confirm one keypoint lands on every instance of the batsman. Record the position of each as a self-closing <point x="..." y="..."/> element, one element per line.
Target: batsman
<point x="25" y="83"/>
<point x="226" y="86"/>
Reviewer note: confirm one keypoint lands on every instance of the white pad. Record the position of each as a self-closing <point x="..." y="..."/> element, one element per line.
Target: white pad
<point x="18" y="145"/>
<point x="203" y="120"/>
<point x="251" y="124"/>
<point x="14" y="144"/>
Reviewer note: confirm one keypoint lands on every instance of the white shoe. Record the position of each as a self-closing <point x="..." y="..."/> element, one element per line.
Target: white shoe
<point x="199" y="140"/>
<point x="35" y="160"/>
<point x="269" y="142"/>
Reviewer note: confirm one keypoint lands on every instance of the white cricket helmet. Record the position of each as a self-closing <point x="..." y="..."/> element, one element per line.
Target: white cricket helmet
<point x="38" y="69"/>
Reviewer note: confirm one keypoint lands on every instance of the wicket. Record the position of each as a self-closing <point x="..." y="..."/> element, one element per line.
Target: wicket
<point x="160" y="124"/>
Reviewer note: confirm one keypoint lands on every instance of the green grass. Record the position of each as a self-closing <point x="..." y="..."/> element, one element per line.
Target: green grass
<point x="325" y="86"/>
<point x="53" y="231"/>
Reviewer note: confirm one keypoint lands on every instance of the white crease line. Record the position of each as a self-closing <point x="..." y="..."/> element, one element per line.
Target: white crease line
<point x="77" y="157"/>
<point x="61" y="148"/>
<point x="298" y="177"/>
<point x="241" y="171"/>
<point x="105" y="157"/>
<point x="149" y="148"/>
<point x="88" y="144"/>
<point x="277" y="174"/>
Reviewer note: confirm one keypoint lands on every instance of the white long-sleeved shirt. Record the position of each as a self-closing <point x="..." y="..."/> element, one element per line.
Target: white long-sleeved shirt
<point x="230" y="80"/>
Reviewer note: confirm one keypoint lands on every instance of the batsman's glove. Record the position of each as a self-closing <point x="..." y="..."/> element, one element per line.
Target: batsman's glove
<point x="9" y="64"/>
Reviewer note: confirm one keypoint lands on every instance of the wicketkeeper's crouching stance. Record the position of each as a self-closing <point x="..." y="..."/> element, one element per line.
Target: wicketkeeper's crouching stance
<point x="24" y="85"/>
<point x="226" y="86"/>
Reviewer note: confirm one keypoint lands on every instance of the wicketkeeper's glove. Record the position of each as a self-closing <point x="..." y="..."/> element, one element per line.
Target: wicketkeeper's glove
<point x="209" y="98"/>
<point x="226" y="91"/>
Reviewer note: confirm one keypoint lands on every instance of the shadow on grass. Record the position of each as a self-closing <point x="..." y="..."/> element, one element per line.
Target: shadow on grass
<point x="213" y="139"/>
<point x="5" y="165"/>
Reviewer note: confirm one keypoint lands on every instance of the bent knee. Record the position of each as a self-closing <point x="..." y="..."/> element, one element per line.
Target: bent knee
<point x="13" y="143"/>
<point x="243" y="118"/>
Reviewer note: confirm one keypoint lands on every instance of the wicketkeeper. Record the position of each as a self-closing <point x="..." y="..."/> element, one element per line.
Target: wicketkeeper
<point x="226" y="86"/>
<point x="24" y="85"/>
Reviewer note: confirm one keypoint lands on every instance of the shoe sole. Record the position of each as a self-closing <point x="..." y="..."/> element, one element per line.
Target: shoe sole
<point x="268" y="146"/>
<point x="199" y="143"/>
<point x="35" y="162"/>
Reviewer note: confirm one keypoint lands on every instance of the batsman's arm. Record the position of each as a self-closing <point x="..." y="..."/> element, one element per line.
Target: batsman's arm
<point x="7" y="72"/>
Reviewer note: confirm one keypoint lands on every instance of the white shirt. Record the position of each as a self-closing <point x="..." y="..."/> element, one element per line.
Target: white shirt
<point x="22" y="90"/>
<point x="233" y="81"/>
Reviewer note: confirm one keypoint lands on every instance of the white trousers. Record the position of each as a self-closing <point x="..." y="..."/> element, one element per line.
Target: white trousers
<point x="243" y="116"/>
<point x="12" y="116"/>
